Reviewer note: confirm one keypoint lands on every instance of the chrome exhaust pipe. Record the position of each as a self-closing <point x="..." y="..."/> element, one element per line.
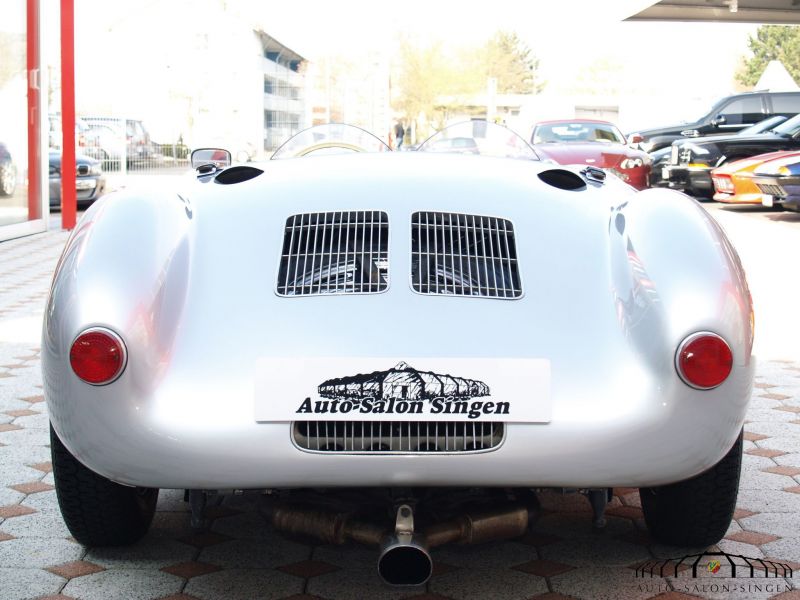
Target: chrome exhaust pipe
<point x="404" y="559"/>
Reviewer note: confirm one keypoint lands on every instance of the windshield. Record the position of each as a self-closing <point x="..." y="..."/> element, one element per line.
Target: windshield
<point x="331" y="138"/>
<point x="577" y="131"/>
<point x="789" y="128"/>
<point x="479" y="137"/>
<point x="762" y="126"/>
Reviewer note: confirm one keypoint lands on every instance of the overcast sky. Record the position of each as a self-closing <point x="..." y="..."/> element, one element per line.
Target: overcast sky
<point x="581" y="44"/>
<point x="567" y="35"/>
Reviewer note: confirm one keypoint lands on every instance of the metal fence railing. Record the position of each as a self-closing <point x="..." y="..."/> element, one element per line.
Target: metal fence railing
<point x="124" y="144"/>
<point x="124" y="148"/>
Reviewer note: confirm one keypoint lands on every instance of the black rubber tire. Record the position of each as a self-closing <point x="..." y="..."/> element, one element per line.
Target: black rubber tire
<point x="697" y="512"/>
<point x="97" y="511"/>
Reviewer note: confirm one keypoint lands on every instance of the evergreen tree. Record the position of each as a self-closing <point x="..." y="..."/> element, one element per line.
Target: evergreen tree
<point x="509" y="60"/>
<point x="772" y="42"/>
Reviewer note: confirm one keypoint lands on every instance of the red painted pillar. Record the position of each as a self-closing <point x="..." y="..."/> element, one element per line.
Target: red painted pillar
<point x="69" y="199"/>
<point x="34" y="127"/>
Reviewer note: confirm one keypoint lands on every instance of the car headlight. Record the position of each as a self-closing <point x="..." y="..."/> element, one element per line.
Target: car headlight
<point x="631" y="163"/>
<point x="95" y="169"/>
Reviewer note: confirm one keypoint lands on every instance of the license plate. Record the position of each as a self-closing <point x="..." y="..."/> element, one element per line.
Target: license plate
<point x="664" y="173"/>
<point x="403" y="389"/>
<point x="767" y="200"/>
<point x="85" y="184"/>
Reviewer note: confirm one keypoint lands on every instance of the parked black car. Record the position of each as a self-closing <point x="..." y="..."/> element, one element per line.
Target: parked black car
<point x="661" y="157"/>
<point x="90" y="183"/>
<point x="8" y="172"/>
<point x="779" y="183"/>
<point x="727" y="116"/>
<point x="691" y="162"/>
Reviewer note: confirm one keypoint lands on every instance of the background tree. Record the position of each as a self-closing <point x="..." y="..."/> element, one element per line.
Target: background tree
<point x="772" y="42"/>
<point x="509" y="60"/>
<point x="433" y="84"/>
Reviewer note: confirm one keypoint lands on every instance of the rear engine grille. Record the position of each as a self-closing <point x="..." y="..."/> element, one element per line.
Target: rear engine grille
<point x="374" y="437"/>
<point x="772" y="189"/>
<point x="464" y="255"/>
<point x="345" y="252"/>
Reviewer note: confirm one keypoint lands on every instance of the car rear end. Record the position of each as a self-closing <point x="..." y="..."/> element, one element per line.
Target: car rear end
<point x="568" y="317"/>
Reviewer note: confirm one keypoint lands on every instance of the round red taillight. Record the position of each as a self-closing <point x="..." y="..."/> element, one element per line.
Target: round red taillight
<point x="704" y="360"/>
<point x="97" y="356"/>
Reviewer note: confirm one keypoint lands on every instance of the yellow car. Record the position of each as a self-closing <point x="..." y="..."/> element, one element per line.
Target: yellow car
<point x="733" y="182"/>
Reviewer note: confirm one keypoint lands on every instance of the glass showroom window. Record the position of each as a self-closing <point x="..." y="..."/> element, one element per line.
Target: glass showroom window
<point x="21" y="210"/>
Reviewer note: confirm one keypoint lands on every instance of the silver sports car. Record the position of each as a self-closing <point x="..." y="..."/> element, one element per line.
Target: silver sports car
<point x="398" y="349"/>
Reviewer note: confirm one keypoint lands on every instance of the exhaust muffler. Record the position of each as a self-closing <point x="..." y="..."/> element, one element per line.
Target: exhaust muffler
<point x="404" y="558"/>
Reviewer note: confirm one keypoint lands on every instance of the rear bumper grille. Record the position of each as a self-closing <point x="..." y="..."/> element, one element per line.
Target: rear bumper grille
<point x="397" y="437"/>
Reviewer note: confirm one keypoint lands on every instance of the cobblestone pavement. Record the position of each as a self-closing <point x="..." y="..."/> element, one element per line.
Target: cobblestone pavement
<point x="241" y="558"/>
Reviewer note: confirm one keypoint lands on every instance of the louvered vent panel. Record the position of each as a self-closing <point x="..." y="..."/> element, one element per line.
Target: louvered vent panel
<point x="464" y="255"/>
<point x="425" y="437"/>
<point x="343" y="252"/>
<point x="772" y="189"/>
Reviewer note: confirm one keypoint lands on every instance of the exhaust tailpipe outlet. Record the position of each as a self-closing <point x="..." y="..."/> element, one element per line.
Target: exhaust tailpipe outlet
<point x="404" y="558"/>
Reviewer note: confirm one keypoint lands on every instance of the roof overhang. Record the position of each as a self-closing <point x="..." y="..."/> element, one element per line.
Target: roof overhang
<point x="272" y="45"/>
<point x="785" y="12"/>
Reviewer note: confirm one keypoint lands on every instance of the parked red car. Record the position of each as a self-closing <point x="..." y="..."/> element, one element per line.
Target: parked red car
<point x="592" y="142"/>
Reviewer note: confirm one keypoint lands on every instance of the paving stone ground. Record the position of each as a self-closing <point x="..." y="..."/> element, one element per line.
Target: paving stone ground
<point x="240" y="558"/>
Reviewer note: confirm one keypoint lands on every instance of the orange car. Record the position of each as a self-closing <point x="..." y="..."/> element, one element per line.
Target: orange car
<point x="733" y="182"/>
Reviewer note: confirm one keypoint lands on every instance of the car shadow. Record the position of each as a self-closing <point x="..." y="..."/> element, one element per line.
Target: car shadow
<point x="772" y="213"/>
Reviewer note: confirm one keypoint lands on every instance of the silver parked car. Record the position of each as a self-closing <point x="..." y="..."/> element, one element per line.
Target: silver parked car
<point x="399" y="348"/>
